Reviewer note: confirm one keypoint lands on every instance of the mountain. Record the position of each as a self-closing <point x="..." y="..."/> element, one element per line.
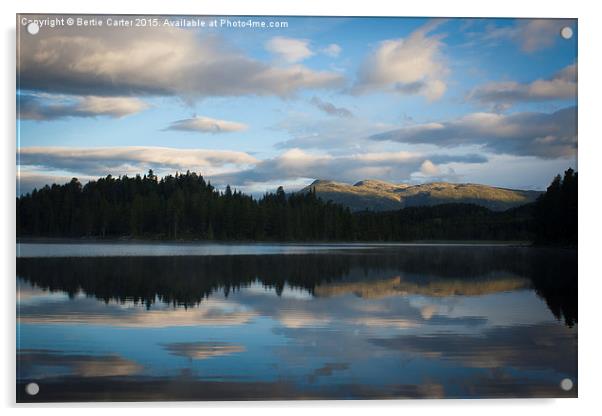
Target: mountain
<point x="378" y="195"/>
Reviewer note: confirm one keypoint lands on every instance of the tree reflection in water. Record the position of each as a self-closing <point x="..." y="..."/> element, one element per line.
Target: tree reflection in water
<point x="431" y="270"/>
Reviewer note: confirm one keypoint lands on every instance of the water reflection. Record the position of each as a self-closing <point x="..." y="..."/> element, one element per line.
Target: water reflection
<point x="37" y="364"/>
<point x="202" y="350"/>
<point x="353" y="323"/>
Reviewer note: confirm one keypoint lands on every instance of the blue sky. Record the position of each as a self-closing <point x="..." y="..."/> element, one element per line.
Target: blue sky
<point x="399" y="99"/>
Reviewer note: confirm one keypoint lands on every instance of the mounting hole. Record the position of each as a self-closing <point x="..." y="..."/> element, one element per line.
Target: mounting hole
<point x="33" y="28"/>
<point x="32" y="389"/>
<point x="566" y="384"/>
<point x="566" y="32"/>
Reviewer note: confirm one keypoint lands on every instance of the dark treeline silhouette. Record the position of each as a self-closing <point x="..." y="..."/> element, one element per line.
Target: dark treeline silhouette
<point x="187" y="281"/>
<point x="176" y="207"/>
<point x="556" y="211"/>
<point x="187" y="207"/>
<point x="445" y="222"/>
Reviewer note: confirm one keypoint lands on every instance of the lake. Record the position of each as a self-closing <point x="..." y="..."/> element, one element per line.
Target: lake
<point x="161" y="321"/>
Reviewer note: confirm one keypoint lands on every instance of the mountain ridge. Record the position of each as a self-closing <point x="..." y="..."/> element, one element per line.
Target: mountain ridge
<point x="378" y="195"/>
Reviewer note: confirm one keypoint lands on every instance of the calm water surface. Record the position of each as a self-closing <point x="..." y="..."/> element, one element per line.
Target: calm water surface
<point x="268" y="321"/>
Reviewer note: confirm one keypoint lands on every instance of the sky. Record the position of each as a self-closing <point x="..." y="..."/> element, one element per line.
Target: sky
<point x="405" y="100"/>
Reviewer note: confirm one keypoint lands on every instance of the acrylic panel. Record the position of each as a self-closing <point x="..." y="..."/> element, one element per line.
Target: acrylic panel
<point x="284" y="208"/>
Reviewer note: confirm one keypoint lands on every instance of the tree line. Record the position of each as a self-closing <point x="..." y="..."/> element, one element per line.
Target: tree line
<point x="556" y="211"/>
<point x="185" y="206"/>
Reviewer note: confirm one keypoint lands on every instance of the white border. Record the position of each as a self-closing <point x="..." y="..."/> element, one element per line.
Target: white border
<point x="589" y="219"/>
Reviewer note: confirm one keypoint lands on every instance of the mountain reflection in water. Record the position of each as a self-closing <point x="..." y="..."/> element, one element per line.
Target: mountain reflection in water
<point x="387" y="322"/>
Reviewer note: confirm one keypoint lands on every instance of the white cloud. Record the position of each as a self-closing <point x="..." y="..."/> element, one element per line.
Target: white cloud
<point x="157" y="61"/>
<point x="545" y="135"/>
<point x="562" y="85"/>
<point x="111" y="106"/>
<point x="289" y="49"/>
<point x="53" y="107"/>
<point x="332" y="50"/>
<point x="428" y="168"/>
<point x="207" y="125"/>
<point x="411" y="65"/>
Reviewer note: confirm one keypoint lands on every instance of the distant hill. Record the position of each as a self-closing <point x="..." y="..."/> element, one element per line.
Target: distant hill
<point x="378" y="195"/>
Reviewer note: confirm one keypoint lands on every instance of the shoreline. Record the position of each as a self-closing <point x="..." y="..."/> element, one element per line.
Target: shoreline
<point x="133" y="241"/>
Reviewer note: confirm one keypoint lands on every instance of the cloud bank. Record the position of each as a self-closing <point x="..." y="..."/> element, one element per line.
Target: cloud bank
<point x="50" y="107"/>
<point x="42" y="165"/>
<point x="158" y="61"/>
<point x="561" y="86"/>
<point x="100" y="161"/>
<point x="545" y="135"/>
<point x="296" y="163"/>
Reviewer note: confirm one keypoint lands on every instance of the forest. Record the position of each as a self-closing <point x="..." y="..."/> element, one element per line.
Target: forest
<point x="186" y="207"/>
